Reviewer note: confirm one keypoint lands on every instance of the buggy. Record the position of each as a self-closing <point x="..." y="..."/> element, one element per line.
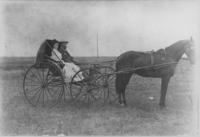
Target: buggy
<point x="44" y="84"/>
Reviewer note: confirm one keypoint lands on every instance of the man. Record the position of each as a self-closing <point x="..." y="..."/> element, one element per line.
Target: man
<point x="65" y="54"/>
<point x="71" y="67"/>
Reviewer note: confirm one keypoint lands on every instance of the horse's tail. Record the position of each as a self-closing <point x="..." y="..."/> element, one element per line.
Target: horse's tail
<point x="117" y="88"/>
<point x="117" y="84"/>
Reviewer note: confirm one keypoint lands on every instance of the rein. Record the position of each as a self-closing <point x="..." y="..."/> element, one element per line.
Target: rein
<point x="108" y="61"/>
<point x="138" y="68"/>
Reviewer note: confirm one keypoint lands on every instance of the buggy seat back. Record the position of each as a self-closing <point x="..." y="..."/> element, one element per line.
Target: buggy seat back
<point x="45" y="50"/>
<point x="43" y="57"/>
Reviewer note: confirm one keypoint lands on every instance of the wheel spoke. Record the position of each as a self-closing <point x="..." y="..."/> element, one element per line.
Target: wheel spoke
<point x="77" y="94"/>
<point x="43" y="75"/>
<point x="48" y="74"/>
<point x="93" y="96"/>
<point x="53" y="95"/>
<point x="34" y="89"/>
<point x="55" y="80"/>
<point x="35" y="75"/>
<point x="53" y="90"/>
<point x="76" y="91"/>
<point x="51" y="78"/>
<point x="84" y="95"/>
<point x="56" y="85"/>
<point x="46" y="92"/>
<point x="38" y="98"/>
<point x="33" y="85"/>
<point x="106" y="81"/>
<point x="35" y="94"/>
<point x="49" y="92"/>
<point x="43" y="97"/>
<point x="31" y="79"/>
<point x="88" y="99"/>
<point x="38" y="72"/>
<point x="54" y="72"/>
<point x="56" y="94"/>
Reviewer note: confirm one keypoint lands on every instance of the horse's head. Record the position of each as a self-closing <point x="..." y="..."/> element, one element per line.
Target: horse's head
<point x="189" y="50"/>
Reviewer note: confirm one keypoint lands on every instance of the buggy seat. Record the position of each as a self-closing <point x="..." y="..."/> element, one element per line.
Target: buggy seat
<point x="44" y="52"/>
<point x="43" y="58"/>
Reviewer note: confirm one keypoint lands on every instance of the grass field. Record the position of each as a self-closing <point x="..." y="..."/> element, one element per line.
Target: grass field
<point x="142" y="116"/>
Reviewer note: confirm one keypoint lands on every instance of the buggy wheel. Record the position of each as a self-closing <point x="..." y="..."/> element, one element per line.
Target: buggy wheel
<point x="111" y="90"/>
<point x="43" y="85"/>
<point x="87" y="91"/>
<point x="108" y="80"/>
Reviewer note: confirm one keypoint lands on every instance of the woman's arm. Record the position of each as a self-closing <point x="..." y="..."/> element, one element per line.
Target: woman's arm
<point x="56" y="55"/>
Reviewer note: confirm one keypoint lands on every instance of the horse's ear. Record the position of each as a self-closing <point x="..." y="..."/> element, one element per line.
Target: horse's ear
<point x="191" y="39"/>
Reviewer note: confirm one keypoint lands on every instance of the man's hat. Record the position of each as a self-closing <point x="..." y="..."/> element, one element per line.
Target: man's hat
<point x="64" y="42"/>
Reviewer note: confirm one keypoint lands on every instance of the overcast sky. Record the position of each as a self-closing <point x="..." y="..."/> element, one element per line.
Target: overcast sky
<point x="121" y="26"/>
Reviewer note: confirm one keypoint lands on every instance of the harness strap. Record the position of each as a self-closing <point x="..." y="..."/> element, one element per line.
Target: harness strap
<point x="165" y="54"/>
<point x="152" y="58"/>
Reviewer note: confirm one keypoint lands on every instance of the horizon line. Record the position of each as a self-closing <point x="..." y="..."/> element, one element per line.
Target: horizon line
<point x="35" y="57"/>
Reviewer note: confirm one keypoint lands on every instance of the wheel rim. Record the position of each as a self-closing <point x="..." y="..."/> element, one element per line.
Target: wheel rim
<point x="111" y="90"/>
<point x="86" y="91"/>
<point x="42" y="87"/>
<point x="109" y="78"/>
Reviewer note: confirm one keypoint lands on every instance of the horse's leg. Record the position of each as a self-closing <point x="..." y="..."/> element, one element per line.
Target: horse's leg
<point x="126" y="79"/>
<point x="118" y="85"/>
<point x="121" y="83"/>
<point x="164" y="86"/>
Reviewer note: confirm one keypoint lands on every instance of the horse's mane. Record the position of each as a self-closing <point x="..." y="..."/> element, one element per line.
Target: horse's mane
<point x="177" y="44"/>
<point x="177" y="49"/>
<point x="173" y="48"/>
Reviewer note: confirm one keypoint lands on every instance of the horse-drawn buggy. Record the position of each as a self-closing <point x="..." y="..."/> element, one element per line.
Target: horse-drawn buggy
<point x="45" y="85"/>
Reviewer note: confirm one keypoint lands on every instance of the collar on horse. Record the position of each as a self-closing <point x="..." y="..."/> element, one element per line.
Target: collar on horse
<point x="152" y="60"/>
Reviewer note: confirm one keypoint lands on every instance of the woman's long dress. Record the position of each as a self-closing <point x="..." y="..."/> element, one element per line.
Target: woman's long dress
<point x="70" y="69"/>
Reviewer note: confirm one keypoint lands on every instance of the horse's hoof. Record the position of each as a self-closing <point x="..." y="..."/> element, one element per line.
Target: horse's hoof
<point x="162" y="106"/>
<point x="122" y="104"/>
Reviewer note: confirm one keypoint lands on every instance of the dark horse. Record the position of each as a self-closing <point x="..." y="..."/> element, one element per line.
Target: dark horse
<point x="134" y="59"/>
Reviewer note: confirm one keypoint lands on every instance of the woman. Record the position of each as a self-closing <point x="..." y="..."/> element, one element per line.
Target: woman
<point x="66" y="57"/>
<point x="69" y="69"/>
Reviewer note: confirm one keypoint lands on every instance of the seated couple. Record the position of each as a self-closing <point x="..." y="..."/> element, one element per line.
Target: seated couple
<point x="59" y="53"/>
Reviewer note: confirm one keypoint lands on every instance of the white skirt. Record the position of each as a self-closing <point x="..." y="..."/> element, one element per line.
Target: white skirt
<point x="69" y="70"/>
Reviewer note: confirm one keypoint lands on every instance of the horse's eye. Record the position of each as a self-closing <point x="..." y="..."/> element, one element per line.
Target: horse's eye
<point x="192" y="47"/>
<point x="188" y="48"/>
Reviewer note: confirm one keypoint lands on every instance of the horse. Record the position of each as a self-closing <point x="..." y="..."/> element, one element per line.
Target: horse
<point x="155" y="64"/>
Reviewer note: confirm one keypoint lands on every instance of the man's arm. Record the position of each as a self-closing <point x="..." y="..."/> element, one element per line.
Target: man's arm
<point x="68" y="58"/>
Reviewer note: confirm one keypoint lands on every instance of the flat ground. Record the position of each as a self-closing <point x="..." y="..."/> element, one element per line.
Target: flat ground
<point x="142" y="116"/>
